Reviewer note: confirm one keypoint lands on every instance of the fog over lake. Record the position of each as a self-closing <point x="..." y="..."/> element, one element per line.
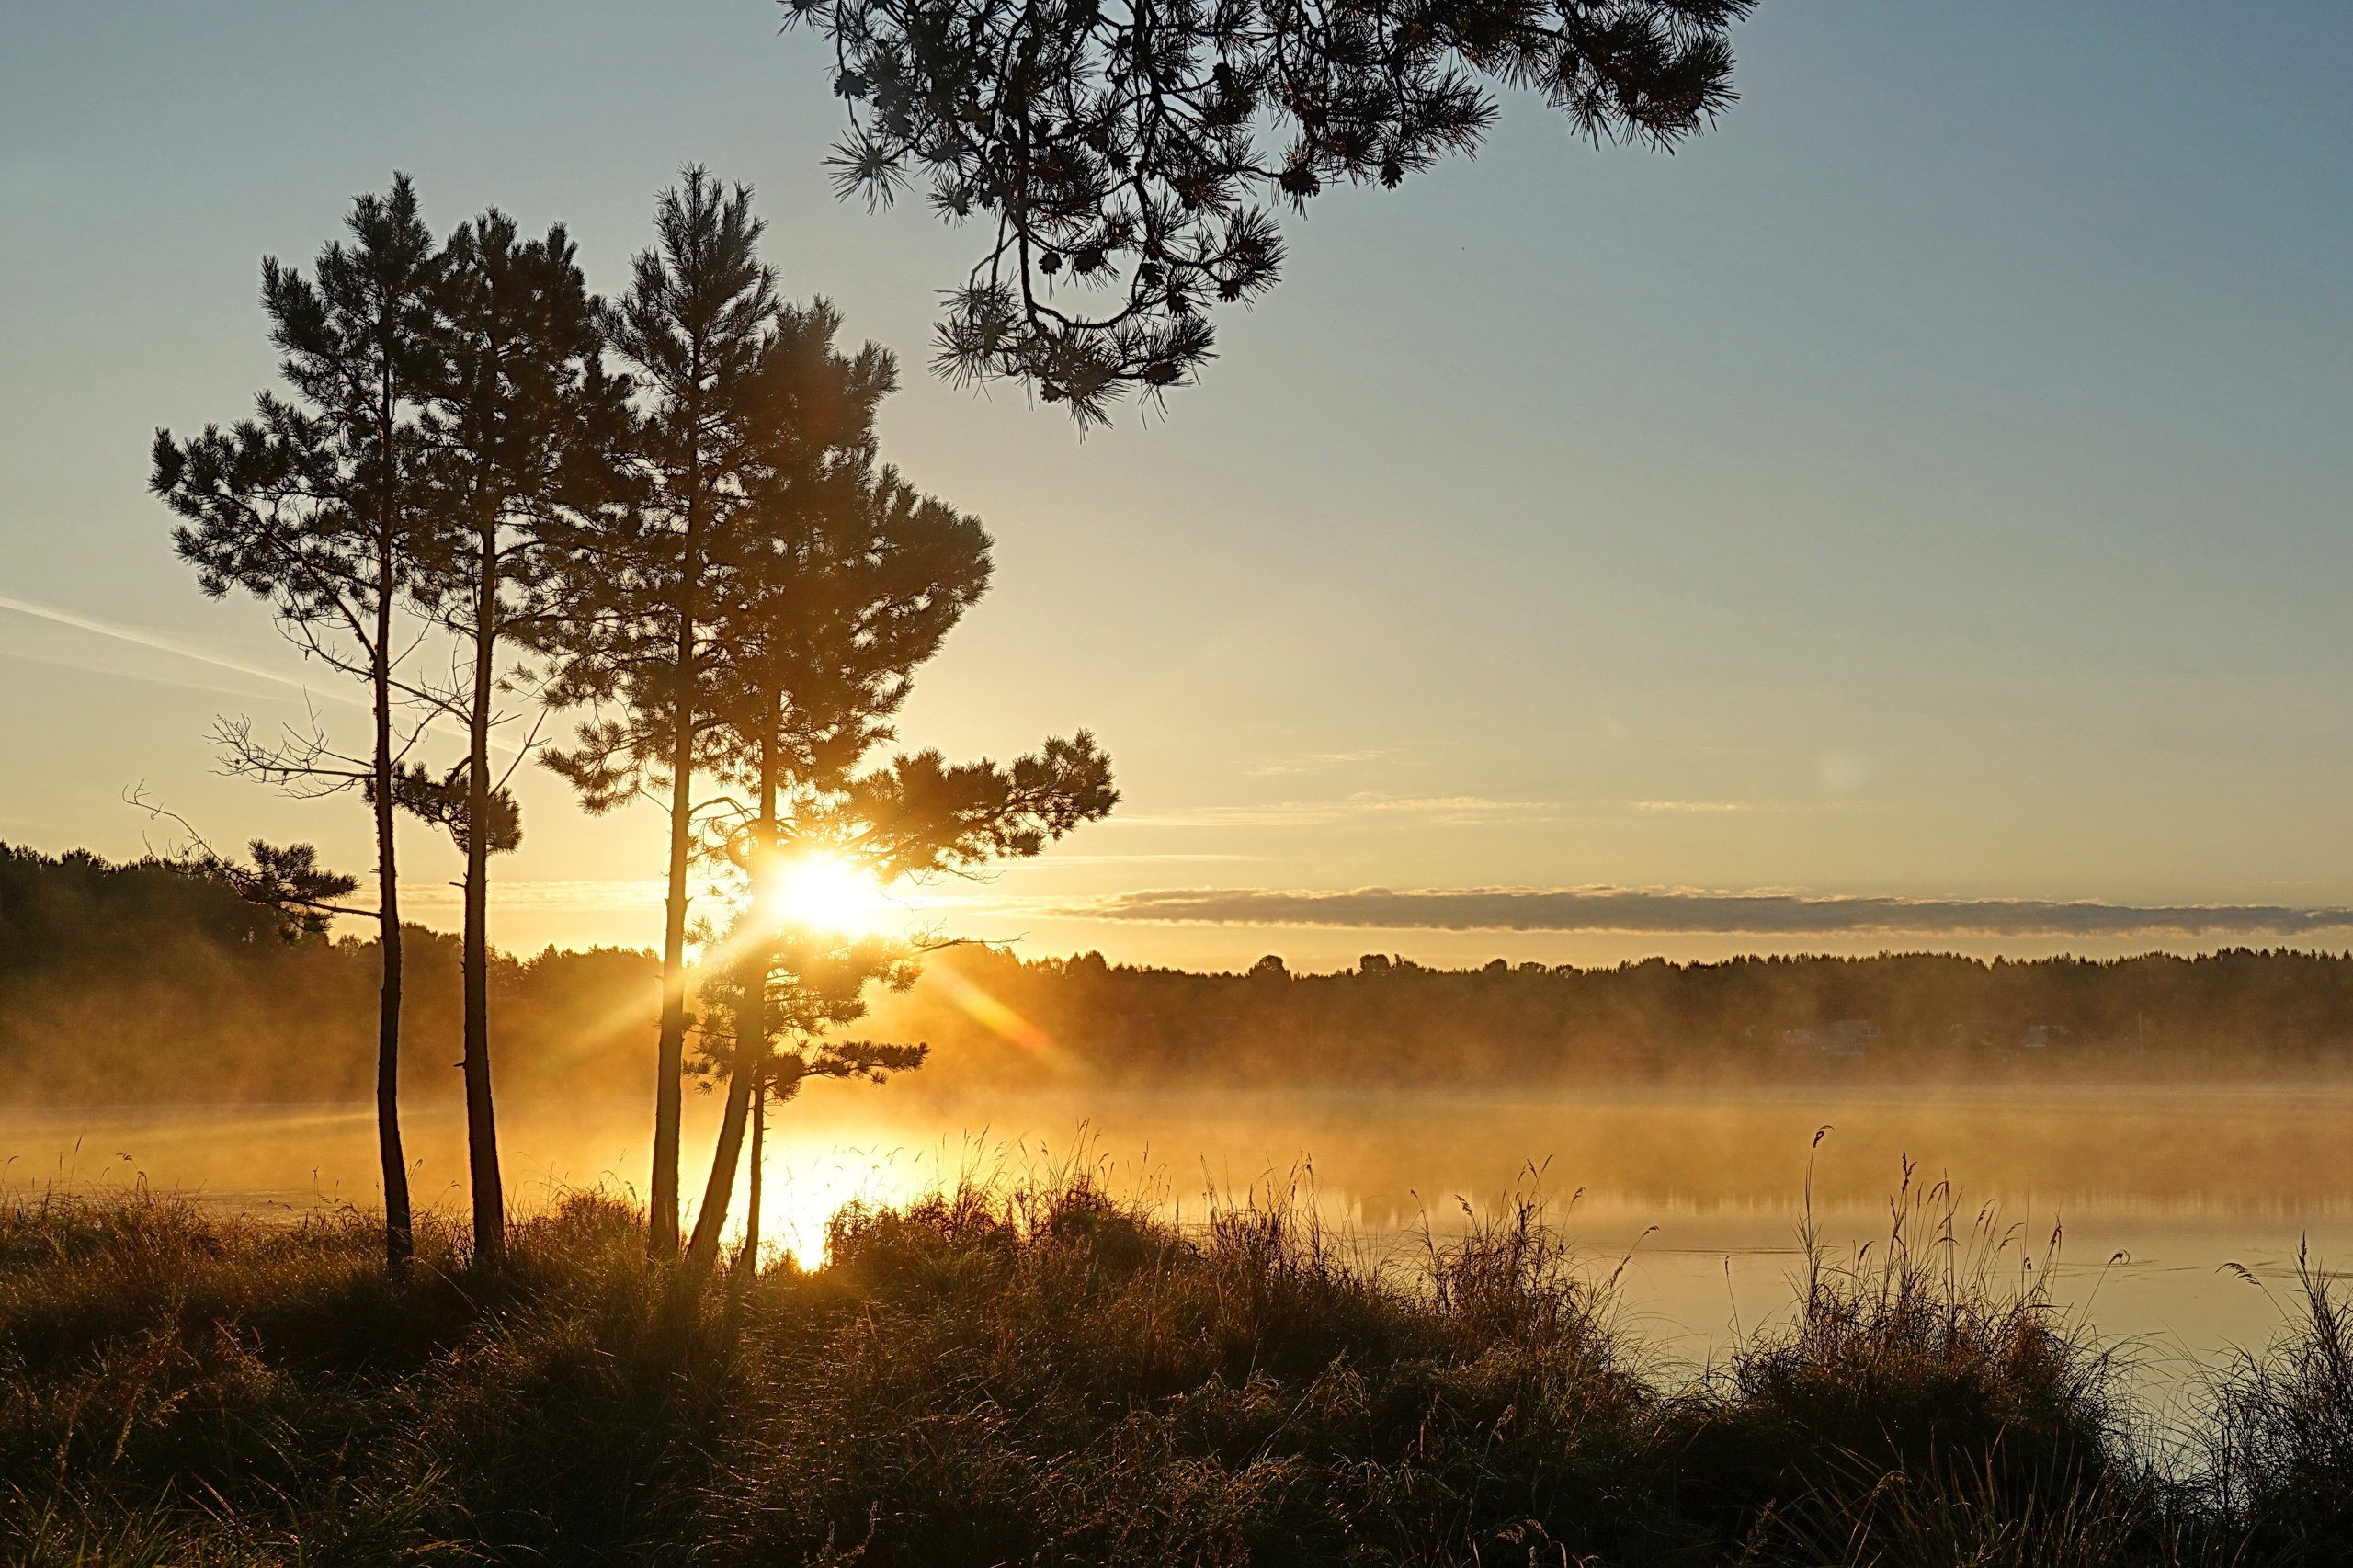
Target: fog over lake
<point x="1698" y="1194"/>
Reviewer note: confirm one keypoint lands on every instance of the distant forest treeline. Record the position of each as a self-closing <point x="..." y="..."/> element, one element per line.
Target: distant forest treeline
<point x="1391" y="1021"/>
<point x="154" y="980"/>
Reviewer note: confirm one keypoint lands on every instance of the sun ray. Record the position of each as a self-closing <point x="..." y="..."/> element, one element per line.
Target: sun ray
<point x="1000" y="1019"/>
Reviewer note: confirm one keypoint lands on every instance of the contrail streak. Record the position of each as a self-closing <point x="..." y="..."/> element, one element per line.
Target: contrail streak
<point x="163" y="645"/>
<point x="143" y="639"/>
<point x="173" y="678"/>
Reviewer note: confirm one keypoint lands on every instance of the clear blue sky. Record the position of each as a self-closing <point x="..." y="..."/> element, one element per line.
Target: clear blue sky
<point x="1935" y="483"/>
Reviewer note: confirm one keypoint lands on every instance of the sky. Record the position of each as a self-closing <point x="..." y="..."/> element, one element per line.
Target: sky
<point x="1913" y="514"/>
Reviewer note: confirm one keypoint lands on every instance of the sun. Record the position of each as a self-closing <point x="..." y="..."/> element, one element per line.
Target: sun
<point x="819" y="892"/>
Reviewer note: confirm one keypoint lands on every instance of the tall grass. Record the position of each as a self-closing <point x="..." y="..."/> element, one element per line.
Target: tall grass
<point x="2280" y="1446"/>
<point x="1045" y="1377"/>
<point x="1928" y="1404"/>
<point x="1038" y="1374"/>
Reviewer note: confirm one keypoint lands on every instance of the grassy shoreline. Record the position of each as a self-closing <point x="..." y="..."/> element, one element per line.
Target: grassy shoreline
<point x="1040" y="1374"/>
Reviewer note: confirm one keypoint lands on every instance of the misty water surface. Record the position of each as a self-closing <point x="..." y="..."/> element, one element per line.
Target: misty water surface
<point x="1698" y="1194"/>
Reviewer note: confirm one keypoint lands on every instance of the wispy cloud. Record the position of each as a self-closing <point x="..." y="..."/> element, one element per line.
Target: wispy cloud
<point x="1761" y="808"/>
<point x="1316" y="759"/>
<point x="1676" y="911"/>
<point x="1062" y="859"/>
<point x="142" y="638"/>
<point x="1440" y="809"/>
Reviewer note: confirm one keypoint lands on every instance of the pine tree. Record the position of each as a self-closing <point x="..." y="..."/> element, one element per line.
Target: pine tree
<point x="517" y="427"/>
<point x="846" y="583"/>
<point x="783" y="987"/>
<point x="311" y="505"/>
<point x="711" y="350"/>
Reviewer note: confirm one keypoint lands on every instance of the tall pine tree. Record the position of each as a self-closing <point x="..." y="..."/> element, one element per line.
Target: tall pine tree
<point x="717" y="407"/>
<point x="843" y="582"/>
<point x="312" y="506"/>
<point x="518" y="426"/>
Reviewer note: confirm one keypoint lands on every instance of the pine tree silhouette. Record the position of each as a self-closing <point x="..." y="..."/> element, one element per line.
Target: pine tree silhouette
<point x="1127" y="159"/>
<point x="521" y="426"/>
<point x="637" y="646"/>
<point x="312" y="506"/>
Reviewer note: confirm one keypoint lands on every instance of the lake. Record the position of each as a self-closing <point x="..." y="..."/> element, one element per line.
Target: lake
<point x="1696" y="1195"/>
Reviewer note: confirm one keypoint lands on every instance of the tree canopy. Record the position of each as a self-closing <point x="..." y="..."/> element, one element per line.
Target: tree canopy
<point x="1128" y="156"/>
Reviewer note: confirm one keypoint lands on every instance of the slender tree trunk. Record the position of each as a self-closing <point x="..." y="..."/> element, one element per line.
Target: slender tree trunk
<point x="751" y="1040"/>
<point x="662" y="1240"/>
<point x="662" y="1236"/>
<point x="702" y="1249"/>
<point x="400" y="1238"/>
<point x="482" y="1125"/>
<point x="749" y="1263"/>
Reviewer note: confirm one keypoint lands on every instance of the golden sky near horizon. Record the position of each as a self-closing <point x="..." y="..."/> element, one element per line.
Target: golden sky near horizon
<point x="1929" y="485"/>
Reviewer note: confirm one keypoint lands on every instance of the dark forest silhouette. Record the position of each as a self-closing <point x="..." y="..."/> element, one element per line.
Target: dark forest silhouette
<point x="159" y="979"/>
<point x="1389" y="1022"/>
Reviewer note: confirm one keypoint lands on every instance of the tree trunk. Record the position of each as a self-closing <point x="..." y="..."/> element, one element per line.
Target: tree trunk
<point x="751" y="1036"/>
<point x="749" y="1264"/>
<point x="400" y="1237"/>
<point x="661" y="1235"/>
<point x="662" y="1238"/>
<point x="702" y="1249"/>
<point x="482" y="1125"/>
<point x="671" y="1051"/>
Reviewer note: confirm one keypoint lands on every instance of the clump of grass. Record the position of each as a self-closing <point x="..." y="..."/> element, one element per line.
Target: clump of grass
<point x="2280" y="1444"/>
<point x="1928" y="1398"/>
<point x="253" y="1391"/>
<point x="1044" y="1376"/>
